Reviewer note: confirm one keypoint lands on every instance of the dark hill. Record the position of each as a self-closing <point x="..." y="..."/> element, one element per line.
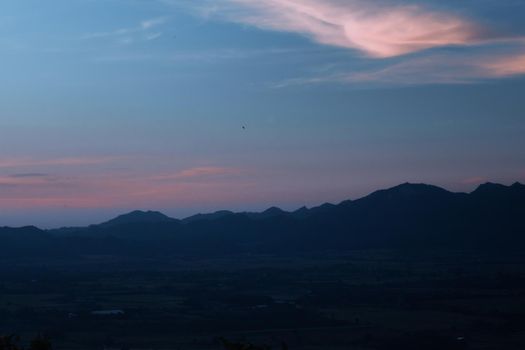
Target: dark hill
<point x="138" y="217"/>
<point x="205" y="217"/>
<point x="411" y="217"/>
<point x="268" y="213"/>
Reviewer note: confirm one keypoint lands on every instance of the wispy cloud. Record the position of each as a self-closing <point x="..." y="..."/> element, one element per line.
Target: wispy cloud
<point x="430" y="69"/>
<point x="476" y="180"/>
<point x="504" y="66"/>
<point x="11" y="181"/>
<point x="29" y="175"/>
<point x="198" y="173"/>
<point x="153" y="36"/>
<point x="153" y="22"/>
<point x="137" y="187"/>
<point x="376" y="30"/>
<point x="198" y="56"/>
<point x="65" y="161"/>
<point x="129" y="34"/>
<point x="384" y="30"/>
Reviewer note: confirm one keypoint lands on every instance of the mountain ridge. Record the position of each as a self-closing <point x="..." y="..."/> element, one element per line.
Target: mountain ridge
<point x="138" y="216"/>
<point x="407" y="188"/>
<point x="408" y="216"/>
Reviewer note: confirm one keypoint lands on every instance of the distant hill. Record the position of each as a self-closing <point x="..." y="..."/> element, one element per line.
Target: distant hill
<point x="204" y="217"/>
<point x="138" y="216"/>
<point x="410" y="217"/>
<point x="268" y="213"/>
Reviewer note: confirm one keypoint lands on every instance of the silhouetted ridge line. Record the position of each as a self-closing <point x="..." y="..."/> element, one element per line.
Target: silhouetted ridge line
<point x="211" y="216"/>
<point x="412" y="217"/>
<point x="138" y="216"/>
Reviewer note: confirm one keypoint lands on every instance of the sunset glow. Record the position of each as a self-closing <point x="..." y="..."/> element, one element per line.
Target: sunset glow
<point x="194" y="106"/>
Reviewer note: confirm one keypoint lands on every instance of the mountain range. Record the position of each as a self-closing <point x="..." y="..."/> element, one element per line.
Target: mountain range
<point x="410" y="217"/>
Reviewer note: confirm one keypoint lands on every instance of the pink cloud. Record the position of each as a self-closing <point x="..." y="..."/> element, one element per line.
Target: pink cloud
<point x="505" y="66"/>
<point x="23" y="181"/>
<point x="476" y="180"/>
<point x="382" y="29"/>
<point x="198" y="172"/>
<point x="431" y="69"/>
<point x="403" y="30"/>
<point x="377" y="31"/>
<point x="205" y="171"/>
<point x="117" y="189"/>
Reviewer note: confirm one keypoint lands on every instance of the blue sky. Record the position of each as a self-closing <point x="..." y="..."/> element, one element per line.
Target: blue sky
<point x="113" y="105"/>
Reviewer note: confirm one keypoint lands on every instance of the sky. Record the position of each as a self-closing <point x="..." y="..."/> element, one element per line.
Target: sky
<point x="188" y="106"/>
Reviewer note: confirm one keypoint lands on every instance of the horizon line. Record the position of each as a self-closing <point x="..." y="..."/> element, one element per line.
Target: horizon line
<point x="515" y="183"/>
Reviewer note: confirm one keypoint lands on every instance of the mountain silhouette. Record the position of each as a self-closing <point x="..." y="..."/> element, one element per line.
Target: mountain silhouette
<point x="268" y="213"/>
<point x="204" y="217"/>
<point x="410" y="217"/>
<point x="136" y="217"/>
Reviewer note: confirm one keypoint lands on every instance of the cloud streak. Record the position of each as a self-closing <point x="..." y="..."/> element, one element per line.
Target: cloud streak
<point x="376" y="31"/>
<point x="431" y="69"/>
<point x="65" y="161"/>
<point x="129" y="34"/>
<point x="397" y="36"/>
<point x="505" y="66"/>
<point x="198" y="173"/>
<point x="113" y="188"/>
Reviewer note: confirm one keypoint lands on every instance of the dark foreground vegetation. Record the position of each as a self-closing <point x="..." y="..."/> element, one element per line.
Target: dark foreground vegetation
<point x="12" y="342"/>
<point x="360" y="300"/>
<point x="413" y="267"/>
